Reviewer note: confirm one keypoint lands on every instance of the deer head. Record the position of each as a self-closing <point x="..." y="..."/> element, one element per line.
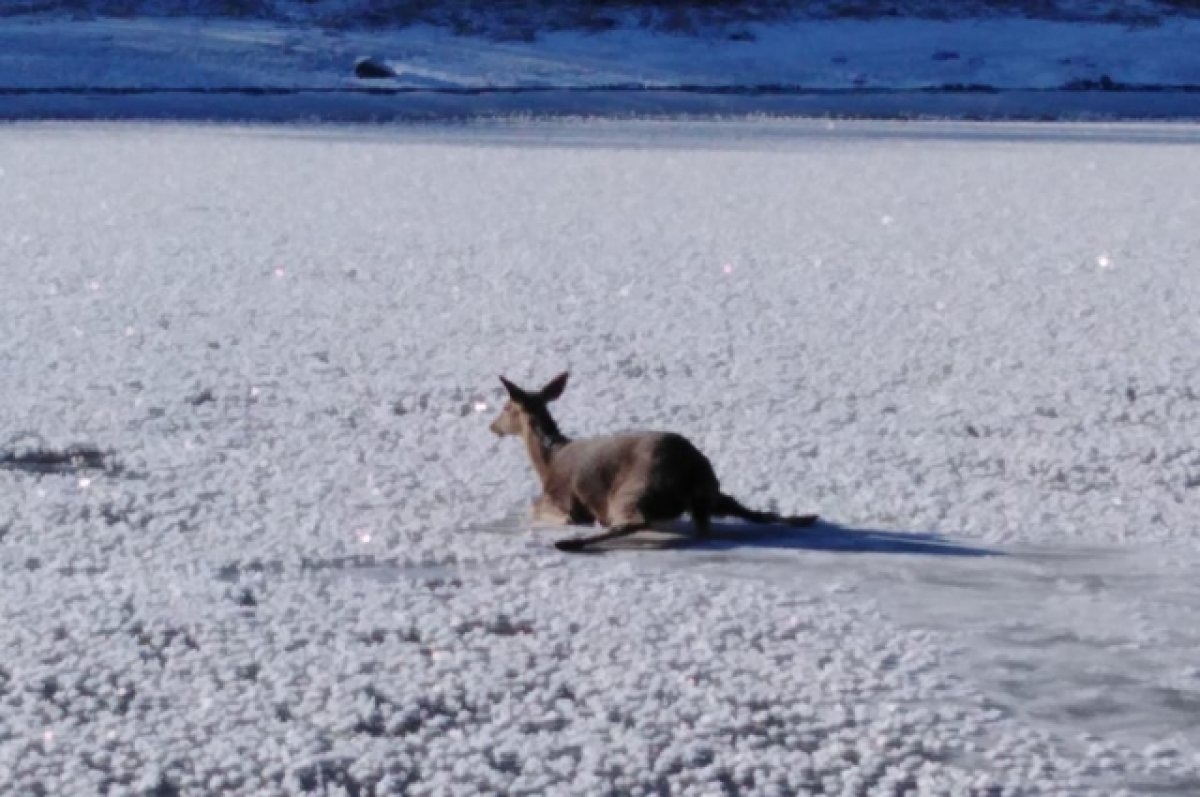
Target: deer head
<point x="526" y="411"/>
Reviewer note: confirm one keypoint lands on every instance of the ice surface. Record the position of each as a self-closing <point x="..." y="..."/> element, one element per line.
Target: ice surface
<point x="300" y="562"/>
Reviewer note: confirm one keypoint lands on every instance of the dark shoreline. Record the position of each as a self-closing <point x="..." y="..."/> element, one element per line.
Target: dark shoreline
<point x="399" y="104"/>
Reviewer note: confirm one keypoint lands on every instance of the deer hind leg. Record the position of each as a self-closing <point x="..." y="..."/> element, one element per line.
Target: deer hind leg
<point x="702" y="520"/>
<point x="611" y="533"/>
<point x="627" y="520"/>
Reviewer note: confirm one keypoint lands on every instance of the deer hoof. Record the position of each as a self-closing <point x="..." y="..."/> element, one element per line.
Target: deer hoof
<point x="572" y="546"/>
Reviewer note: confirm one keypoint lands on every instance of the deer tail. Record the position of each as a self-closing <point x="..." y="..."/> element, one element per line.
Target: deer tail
<point x="728" y="506"/>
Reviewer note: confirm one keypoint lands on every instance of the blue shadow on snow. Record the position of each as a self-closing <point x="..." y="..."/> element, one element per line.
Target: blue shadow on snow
<point x="822" y="536"/>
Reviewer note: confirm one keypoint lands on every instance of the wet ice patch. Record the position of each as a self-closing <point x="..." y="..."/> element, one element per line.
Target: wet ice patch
<point x="1087" y="640"/>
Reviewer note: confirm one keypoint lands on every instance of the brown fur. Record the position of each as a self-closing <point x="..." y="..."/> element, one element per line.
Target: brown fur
<point x="625" y="481"/>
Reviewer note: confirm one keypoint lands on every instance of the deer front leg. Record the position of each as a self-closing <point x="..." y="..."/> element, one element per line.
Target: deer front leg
<point x="546" y="511"/>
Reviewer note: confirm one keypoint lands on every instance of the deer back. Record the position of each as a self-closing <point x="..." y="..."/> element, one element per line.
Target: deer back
<point x="635" y="463"/>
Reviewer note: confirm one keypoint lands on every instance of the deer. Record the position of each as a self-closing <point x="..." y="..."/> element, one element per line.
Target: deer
<point x="627" y="482"/>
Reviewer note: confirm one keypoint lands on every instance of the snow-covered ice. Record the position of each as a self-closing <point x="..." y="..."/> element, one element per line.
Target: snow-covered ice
<point x="255" y="537"/>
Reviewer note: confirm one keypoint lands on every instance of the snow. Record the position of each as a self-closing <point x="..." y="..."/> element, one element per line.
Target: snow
<point x="278" y="551"/>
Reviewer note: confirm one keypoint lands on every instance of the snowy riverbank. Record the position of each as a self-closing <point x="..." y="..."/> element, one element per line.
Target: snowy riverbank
<point x="965" y="68"/>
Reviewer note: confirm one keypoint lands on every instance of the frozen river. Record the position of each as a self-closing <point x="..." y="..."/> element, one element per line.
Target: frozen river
<point x="255" y="537"/>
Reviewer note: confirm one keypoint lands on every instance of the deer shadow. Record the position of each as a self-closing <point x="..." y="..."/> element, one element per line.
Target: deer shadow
<point x="821" y="536"/>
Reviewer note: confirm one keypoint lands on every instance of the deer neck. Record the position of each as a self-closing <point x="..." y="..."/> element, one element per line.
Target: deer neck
<point x="542" y="440"/>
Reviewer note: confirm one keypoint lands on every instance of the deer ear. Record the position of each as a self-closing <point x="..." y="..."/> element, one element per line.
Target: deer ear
<point x="554" y="387"/>
<point x="515" y="393"/>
